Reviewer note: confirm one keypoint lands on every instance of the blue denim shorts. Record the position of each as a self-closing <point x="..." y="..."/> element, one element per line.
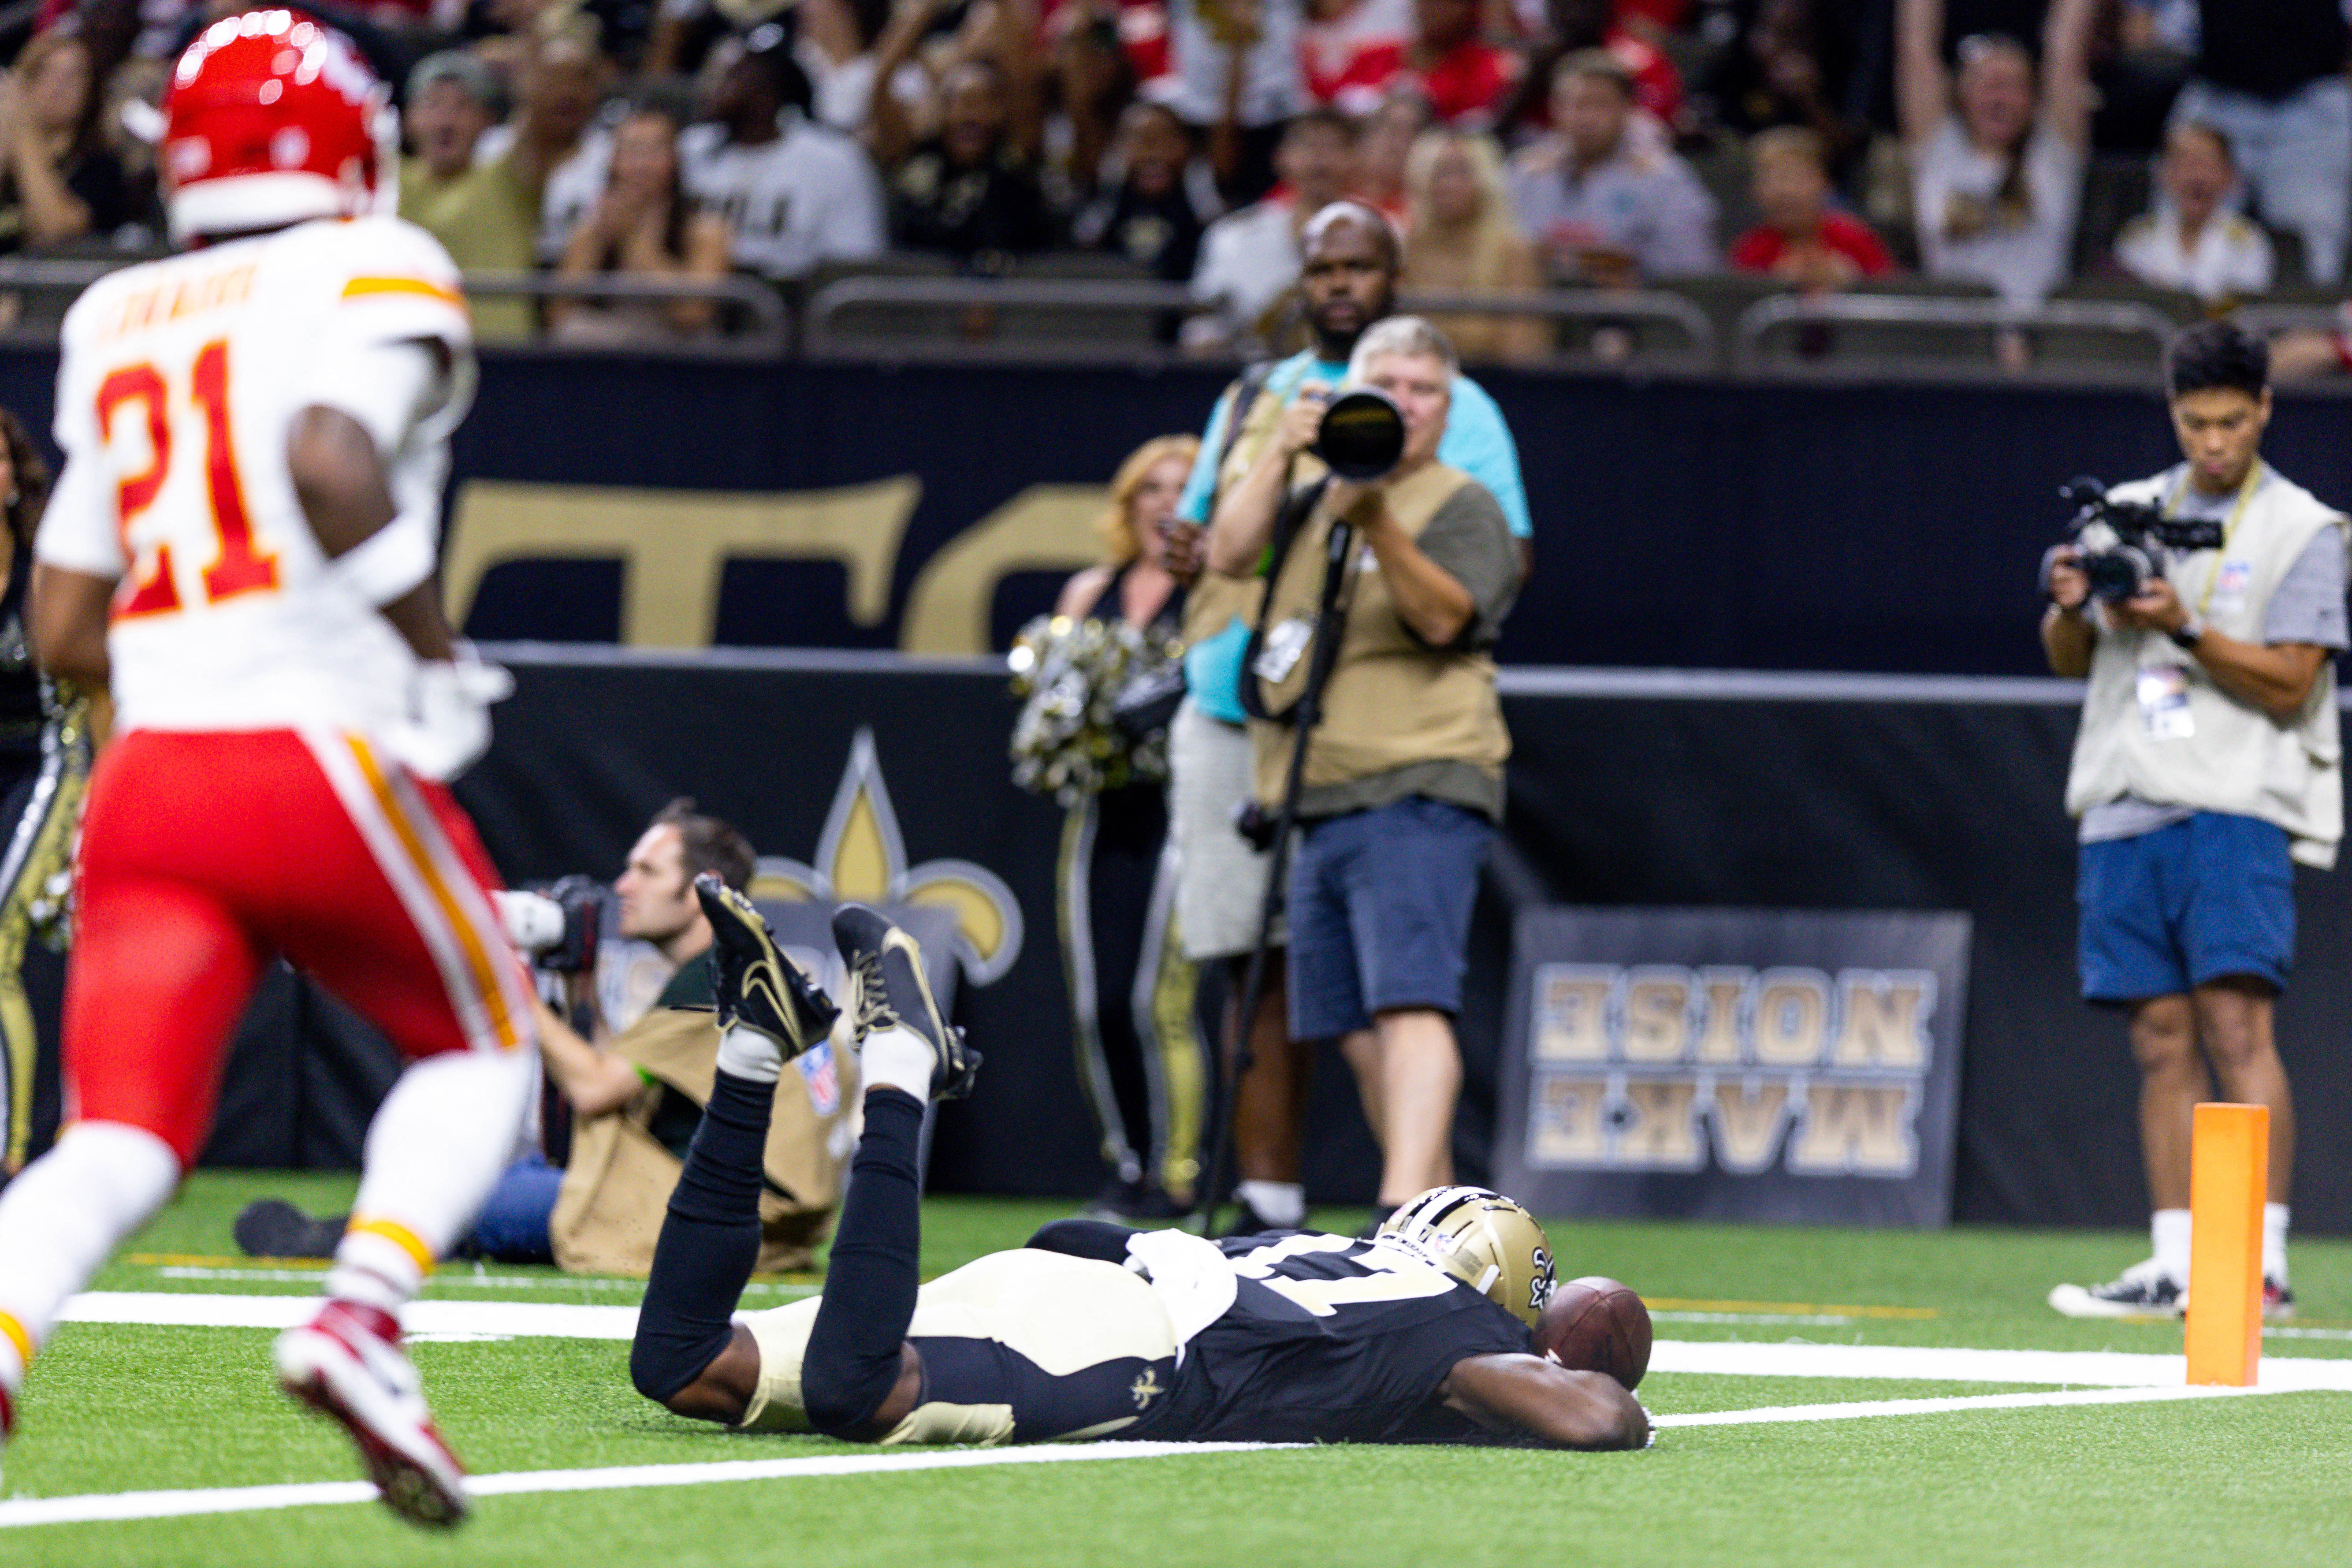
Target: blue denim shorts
<point x="2166" y="912"/>
<point x="1380" y="913"/>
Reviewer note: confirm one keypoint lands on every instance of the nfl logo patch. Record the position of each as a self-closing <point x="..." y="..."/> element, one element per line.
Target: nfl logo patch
<point x="823" y="1081"/>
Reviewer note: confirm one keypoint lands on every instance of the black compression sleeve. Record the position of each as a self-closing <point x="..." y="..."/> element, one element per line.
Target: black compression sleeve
<point x="852" y="1363"/>
<point x="710" y="1240"/>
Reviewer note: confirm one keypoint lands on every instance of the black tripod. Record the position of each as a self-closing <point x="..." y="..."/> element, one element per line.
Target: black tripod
<point x="1302" y="717"/>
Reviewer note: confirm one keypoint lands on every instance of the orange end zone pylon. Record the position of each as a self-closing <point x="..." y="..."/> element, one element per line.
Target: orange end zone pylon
<point x="2229" y="1176"/>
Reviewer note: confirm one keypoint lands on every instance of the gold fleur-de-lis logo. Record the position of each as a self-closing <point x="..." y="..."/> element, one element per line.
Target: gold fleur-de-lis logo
<point x="1145" y="1389"/>
<point x="861" y="859"/>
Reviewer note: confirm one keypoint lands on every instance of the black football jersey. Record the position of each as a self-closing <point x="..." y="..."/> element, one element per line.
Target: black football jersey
<point x="1330" y="1339"/>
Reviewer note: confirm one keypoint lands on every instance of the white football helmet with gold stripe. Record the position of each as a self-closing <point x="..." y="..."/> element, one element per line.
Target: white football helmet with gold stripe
<point x="1482" y="1239"/>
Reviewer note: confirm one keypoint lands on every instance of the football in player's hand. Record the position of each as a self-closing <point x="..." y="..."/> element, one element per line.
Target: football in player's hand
<point x="1596" y="1324"/>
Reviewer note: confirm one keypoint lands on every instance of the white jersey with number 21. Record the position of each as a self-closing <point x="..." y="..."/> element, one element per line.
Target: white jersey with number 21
<point x="178" y="393"/>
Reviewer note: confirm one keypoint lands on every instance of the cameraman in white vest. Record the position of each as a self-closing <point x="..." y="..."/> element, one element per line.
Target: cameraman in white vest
<point x="2206" y="763"/>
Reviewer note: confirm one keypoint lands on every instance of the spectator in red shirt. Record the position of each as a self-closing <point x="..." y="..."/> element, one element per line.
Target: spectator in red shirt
<point x="1349" y="50"/>
<point x="1570" y="27"/>
<point x="1802" y="240"/>
<point x="1465" y="78"/>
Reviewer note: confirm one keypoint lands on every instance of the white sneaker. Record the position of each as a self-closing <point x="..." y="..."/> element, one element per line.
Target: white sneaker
<point x="2143" y="1290"/>
<point x="346" y="1363"/>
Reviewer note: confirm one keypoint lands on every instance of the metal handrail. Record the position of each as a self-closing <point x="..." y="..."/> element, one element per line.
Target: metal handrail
<point x="758" y="298"/>
<point x="821" y="333"/>
<point x="1575" y="305"/>
<point x="2263" y="321"/>
<point x="18" y="272"/>
<point x="2123" y="317"/>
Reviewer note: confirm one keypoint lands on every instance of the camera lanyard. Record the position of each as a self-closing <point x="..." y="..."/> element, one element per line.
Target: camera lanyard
<point x="2246" y="488"/>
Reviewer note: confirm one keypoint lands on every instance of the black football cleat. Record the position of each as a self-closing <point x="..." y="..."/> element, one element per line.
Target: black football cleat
<point x="757" y="988"/>
<point x="272" y="1227"/>
<point x="2143" y="1290"/>
<point x="888" y="991"/>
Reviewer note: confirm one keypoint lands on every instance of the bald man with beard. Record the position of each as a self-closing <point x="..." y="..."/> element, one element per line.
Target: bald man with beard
<point x="1348" y="282"/>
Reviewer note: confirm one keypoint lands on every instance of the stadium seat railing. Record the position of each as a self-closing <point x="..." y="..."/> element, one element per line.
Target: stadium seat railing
<point x="2130" y="325"/>
<point x="2268" y="320"/>
<point x="1706" y="326"/>
<point x="761" y="325"/>
<point x="1063" y="318"/>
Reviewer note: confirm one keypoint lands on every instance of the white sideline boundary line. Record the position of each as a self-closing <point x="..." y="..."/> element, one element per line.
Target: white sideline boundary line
<point x="103" y="1507"/>
<point x="94" y="1508"/>
<point x="2113" y="1378"/>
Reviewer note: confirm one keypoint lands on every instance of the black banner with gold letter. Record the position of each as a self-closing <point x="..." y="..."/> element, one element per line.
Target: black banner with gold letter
<point x="1734" y="1064"/>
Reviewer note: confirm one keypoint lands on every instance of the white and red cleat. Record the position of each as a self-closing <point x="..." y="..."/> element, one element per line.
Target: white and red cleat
<point x="347" y="1363"/>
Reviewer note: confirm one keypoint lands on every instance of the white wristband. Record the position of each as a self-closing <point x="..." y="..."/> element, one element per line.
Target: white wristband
<point x="389" y="561"/>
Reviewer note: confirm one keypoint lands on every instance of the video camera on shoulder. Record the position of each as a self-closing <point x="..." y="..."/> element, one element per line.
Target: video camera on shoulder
<point x="556" y="925"/>
<point x="2120" y="544"/>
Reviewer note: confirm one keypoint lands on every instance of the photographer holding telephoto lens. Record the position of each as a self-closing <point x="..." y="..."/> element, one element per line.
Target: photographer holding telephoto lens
<point x="2206" y="763"/>
<point x="1402" y="779"/>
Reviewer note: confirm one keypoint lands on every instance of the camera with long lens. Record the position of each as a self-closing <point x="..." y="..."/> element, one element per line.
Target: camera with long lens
<point x="556" y="926"/>
<point x="2119" y="545"/>
<point x="1362" y="436"/>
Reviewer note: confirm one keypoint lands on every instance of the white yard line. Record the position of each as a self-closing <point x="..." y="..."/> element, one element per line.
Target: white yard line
<point x="1927" y="1363"/>
<point x="2113" y="1378"/>
<point x="1808" y="1319"/>
<point x="457" y="1279"/>
<point x="111" y="1506"/>
<point x="520" y="1319"/>
<point x="1859" y="1408"/>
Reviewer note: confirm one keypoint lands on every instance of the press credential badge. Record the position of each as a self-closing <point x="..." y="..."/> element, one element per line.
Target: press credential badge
<point x="2163" y="702"/>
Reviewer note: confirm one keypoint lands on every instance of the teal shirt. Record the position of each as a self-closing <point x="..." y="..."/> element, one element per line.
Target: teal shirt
<point x="1476" y="441"/>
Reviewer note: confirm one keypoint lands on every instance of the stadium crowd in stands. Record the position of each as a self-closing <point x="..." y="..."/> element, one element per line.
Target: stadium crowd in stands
<point x="2198" y="147"/>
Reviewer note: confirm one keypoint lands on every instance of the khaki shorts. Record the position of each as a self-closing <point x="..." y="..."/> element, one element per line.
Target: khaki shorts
<point x="1064" y="1315"/>
<point x="1220" y="879"/>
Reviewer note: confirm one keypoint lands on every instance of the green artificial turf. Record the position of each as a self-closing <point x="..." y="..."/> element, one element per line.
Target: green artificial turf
<point x="117" y="1407"/>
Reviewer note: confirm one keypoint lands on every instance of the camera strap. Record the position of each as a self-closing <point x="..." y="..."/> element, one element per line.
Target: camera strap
<point x="1289" y="524"/>
<point x="2246" y="488"/>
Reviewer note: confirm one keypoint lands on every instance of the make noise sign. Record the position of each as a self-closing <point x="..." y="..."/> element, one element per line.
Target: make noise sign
<point x="1734" y="1064"/>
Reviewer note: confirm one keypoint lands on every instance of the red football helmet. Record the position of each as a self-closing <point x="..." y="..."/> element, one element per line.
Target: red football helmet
<point x="272" y="118"/>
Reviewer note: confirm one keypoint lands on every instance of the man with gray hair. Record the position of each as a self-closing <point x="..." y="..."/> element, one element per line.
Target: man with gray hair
<point x="1348" y="283"/>
<point x="481" y="213"/>
<point x="1402" y="782"/>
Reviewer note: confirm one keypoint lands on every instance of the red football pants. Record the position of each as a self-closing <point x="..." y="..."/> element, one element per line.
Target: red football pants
<point x="202" y="854"/>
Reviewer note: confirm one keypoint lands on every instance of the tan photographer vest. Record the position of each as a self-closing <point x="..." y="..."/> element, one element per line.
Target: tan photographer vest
<point x="1393" y="702"/>
<point x="618" y="1180"/>
<point x="2236" y="758"/>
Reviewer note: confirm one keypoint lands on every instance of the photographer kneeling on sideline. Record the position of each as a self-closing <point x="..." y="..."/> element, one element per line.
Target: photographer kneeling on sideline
<point x="637" y="1095"/>
<point x="1402" y="783"/>
<point x="2206" y="763"/>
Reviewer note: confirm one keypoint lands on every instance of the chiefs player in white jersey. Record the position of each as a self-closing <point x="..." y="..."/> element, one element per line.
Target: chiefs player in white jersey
<point x="243" y="545"/>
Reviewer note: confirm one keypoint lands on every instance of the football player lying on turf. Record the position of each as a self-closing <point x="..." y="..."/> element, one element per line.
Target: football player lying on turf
<point x="1424" y="1334"/>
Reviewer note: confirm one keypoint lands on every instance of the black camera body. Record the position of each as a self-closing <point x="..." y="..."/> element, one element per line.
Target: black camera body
<point x="559" y="931"/>
<point x="2120" y="544"/>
